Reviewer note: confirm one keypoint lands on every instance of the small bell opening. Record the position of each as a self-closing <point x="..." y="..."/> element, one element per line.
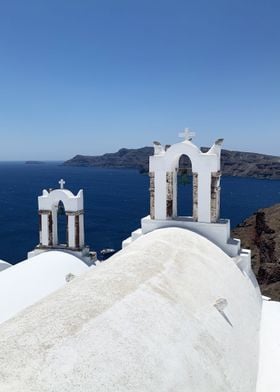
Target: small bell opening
<point x="61" y="209"/>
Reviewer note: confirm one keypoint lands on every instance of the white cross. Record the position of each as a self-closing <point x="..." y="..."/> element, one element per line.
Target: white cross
<point x="61" y="183"/>
<point x="187" y="134"/>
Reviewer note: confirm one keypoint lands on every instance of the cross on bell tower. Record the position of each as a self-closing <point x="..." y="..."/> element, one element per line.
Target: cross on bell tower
<point x="187" y="134"/>
<point x="61" y="183"/>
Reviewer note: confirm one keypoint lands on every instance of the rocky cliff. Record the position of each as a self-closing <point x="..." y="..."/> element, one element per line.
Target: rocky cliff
<point x="261" y="234"/>
<point x="124" y="158"/>
<point x="234" y="163"/>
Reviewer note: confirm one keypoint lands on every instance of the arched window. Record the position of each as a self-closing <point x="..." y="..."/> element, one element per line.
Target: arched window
<point x="184" y="187"/>
<point x="62" y="229"/>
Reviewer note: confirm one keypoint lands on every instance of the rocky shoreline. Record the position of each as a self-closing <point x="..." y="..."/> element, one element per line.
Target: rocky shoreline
<point x="261" y="233"/>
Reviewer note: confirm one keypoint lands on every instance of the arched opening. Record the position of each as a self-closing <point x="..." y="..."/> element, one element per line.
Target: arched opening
<point x="62" y="229"/>
<point x="184" y="187"/>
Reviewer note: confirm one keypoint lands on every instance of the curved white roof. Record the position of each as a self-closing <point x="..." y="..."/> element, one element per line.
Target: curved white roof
<point x="27" y="282"/>
<point x="4" y="265"/>
<point x="171" y="312"/>
<point x="269" y="377"/>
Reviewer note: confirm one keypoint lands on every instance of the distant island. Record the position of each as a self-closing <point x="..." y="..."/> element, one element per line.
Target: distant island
<point x="34" y="162"/>
<point x="234" y="163"/>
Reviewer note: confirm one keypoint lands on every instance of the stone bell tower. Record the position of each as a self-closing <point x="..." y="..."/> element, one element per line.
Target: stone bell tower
<point x="73" y="206"/>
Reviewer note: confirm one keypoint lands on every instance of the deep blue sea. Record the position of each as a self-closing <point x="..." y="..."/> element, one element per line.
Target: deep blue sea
<point x="115" y="201"/>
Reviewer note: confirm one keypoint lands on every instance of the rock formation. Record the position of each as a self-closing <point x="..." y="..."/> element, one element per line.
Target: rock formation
<point x="261" y="234"/>
<point x="234" y="163"/>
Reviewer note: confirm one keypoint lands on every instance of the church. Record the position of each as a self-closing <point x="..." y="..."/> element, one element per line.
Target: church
<point x="177" y="309"/>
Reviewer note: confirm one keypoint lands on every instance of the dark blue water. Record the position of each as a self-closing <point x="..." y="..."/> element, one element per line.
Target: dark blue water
<point x="115" y="201"/>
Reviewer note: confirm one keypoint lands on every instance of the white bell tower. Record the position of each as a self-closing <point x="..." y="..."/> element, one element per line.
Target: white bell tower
<point x="49" y="204"/>
<point x="206" y="168"/>
<point x="205" y="219"/>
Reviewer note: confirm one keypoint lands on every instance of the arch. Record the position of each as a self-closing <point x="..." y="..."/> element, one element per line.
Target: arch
<point x="163" y="168"/>
<point x="183" y="188"/>
<point x="174" y="153"/>
<point x="48" y="207"/>
<point x="61" y="224"/>
<point x="70" y="201"/>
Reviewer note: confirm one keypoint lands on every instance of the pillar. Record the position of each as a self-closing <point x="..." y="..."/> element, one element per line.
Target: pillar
<point x="160" y="194"/>
<point x="76" y="234"/>
<point x="50" y="225"/>
<point x="81" y="230"/>
<point x="54" y="227"/>
<point x="215" y="196"/>
<point x="204" y="197"/>
<point x="175" y="195"/>
<point x="71" y="230"/>
<point x="169" y="194"/>
<point x="152" y="195"/>
<point x="195" y="197"/>
<point x="77" y="231"/>
<point x="45" y="227"/>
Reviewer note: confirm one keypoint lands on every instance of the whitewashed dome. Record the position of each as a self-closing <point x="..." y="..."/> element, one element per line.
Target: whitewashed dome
<point x="4" y="265"/>
<point x="171" y="312"/>
<point x="25" y="283"/>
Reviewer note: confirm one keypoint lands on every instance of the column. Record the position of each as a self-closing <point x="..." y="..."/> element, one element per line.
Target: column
<point x="45" y="227"/>
<point x="77" y="231"/>
<point x="71" y="230"/>
<point x="40" y="228"/>
<point x="160" y="194"/>
<point x="67" y="230"/>
<point x="204" y="197"/>
<point x="81" y="229"/>
<point x="169" y="194"/>
<point x="152" y="195"/>
<point x="50" y="227"/>
<point x="54" y="227"/>
<point x="215" y="196"/>
<point x="175" y="195"/>
<point x="195" y="197"/>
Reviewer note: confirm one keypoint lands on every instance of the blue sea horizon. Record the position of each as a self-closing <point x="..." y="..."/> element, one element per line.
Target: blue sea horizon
<point x="115" y="201"/>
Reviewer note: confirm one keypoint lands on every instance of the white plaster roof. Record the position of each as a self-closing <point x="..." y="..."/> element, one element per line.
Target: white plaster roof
<point x="27" y="282"/>
<point x="269" y="375"/>
<point x="4" y="265"/>
<point x="171" y="312"/>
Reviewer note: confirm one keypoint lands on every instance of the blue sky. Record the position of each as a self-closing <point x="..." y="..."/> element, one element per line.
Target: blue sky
<point x="90" y="77"/>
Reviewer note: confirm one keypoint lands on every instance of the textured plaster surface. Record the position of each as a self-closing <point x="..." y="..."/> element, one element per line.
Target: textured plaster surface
<point x="4" y="265"/>
<point x="25" y="283"/>
<point x="172" y="312"/>
<point x="269" y="375"/>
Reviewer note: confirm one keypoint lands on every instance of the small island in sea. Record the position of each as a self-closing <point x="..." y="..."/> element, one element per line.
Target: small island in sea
<point x="34" y="162"/>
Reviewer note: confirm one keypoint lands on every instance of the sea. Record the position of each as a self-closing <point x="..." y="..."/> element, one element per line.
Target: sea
<point x="115" y="201"/>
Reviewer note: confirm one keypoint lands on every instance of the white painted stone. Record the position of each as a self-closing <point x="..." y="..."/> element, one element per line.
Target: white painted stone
<point x="146" y="320"/>
<point x="25" y="283"/>
<point x="269" y="375"/>
<point x="74" y="210"/>
<point x="218" y="233"/>
<point x="48" y="205"/>
<point x="4" y="265"/>
<point x="204" y="164"/>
